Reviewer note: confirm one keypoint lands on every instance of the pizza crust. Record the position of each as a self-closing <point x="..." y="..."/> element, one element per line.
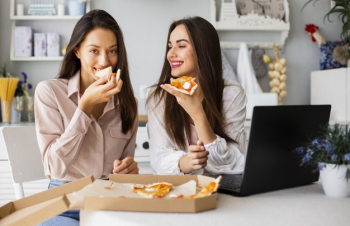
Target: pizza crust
<point x="182" y="90"/>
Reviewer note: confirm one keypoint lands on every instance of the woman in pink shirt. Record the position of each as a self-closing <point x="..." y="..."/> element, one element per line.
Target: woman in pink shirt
<point x="203" y="132"/>
<point x="86" y="125"/>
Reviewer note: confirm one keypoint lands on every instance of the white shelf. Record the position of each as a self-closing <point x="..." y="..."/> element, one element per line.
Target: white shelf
<point x="29" y="17"/>
<point x="255" y="22"/>
<point x="37" y="58"/>
<point x="15" y="18"/>
<point x="236" y="45"/>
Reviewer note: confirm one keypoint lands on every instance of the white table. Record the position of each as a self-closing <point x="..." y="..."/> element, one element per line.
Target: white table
<point x="306" y="205"/>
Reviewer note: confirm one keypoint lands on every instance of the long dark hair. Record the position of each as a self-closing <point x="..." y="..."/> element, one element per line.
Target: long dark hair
<point x="71" y="64"/>
<point x="207" y="54"/>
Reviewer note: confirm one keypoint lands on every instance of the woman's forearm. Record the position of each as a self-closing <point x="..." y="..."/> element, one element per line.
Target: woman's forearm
<point x="204" y="131"/>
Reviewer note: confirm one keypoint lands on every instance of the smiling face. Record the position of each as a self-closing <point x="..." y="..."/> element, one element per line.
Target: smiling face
<point x="180" y="54"/>
<point x="96" y="52"/>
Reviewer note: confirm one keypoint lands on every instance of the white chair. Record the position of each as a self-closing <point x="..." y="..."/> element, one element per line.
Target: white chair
<point x="23" y="155"/>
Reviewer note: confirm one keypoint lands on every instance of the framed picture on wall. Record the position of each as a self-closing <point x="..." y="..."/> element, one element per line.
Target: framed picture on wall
<point x="271" y="8"/>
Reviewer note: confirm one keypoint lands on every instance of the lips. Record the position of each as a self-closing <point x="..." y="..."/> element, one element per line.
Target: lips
<point x="176" y="64"/>
<point x="99" y="69"/>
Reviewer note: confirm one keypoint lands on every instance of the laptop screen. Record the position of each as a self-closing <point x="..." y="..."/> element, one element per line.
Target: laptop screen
<point x="276" y="131"/>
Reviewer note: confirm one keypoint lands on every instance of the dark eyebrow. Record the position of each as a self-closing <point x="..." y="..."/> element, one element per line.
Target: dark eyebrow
<point x="98" y="46"/>
<point x="180" y="40"/>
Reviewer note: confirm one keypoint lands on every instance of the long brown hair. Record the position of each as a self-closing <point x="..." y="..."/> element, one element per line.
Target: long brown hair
<point x="207" y="54"/>
<point x="71" y="64"/>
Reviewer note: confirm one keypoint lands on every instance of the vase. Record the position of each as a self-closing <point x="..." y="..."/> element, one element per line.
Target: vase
<point x="76" y="8"/>
<point x="334" y="182"/>
<point x="30" y="108"/>
<point x="6" y="110"/>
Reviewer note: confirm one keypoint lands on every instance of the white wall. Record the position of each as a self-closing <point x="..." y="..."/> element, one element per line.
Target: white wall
<point x="145" y="24"/>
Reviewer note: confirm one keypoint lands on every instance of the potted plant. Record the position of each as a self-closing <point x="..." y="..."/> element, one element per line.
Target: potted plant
<point x="330" y="154"/>
<point x="342" y="7"/>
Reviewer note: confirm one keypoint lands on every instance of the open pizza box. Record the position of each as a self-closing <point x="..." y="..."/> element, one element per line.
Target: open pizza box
<point x="42" y="206"/>
<point x="155" y="205"/>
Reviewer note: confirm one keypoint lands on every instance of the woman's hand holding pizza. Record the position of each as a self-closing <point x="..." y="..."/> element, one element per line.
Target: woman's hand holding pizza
<point x="192" y="104"/>
<point x="99" y="92"/>
<point x="195" y="159"/>
<point x="125" y="166"/>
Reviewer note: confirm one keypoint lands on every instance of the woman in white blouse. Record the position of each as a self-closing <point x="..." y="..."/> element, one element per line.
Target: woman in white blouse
<point x="203" y="132"/>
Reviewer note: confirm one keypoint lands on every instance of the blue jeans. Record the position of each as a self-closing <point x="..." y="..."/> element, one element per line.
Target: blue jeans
<point x="70" y="217"/>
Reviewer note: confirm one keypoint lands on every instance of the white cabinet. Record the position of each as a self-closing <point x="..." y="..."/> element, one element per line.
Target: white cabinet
<point x="30" y="18"/>
<point x="332" y="87"/>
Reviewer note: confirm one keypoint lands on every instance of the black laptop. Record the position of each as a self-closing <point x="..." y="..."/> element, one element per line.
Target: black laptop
<point x="271" y="162"/>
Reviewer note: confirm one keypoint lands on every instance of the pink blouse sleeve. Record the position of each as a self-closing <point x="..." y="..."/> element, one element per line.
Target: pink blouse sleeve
<point x="59" y="146"/>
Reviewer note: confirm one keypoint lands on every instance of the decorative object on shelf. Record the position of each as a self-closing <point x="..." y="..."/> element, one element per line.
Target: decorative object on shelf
<point x="255" y="22"/>
<point x="53" y="44"/>
<point x="228" y="10"/>
<point x="64" y="49"/>
<point x="266" y="57"/>
<point x="272" y="8"/>
<point x="22" y="41"/>
<point x="60" y="8"/>
<point x="278" y="76"/>
<point x="328" y="49"/>
<point x="18" y="104"/>
<point x="20" y="9"/>
<point x="30" y="108"/>
<point x="7" y="90"/>
<point x="40" y="7"/>
<point x="342" y="9"/>
<point x="330" y="154"/>
<point x="76" y="7"/>
<point x="40" y="45"/>
<point x="245" y="71"/>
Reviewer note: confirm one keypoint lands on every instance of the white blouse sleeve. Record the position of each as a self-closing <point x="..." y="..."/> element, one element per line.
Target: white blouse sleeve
<point x="223" y="158"/>
<point x="227" y="158"/>
<point x="164" y="157"/>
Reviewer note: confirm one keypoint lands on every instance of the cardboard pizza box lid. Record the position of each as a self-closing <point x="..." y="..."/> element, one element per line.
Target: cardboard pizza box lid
<point x="154" y="205"/>
<point x="42" y="206"/>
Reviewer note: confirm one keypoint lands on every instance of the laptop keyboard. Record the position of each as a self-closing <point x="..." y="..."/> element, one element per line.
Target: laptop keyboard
<point x="230" y="184"/>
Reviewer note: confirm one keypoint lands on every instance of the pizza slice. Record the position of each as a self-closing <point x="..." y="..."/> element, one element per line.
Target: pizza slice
<point x="108" y="72"/>
<point x="206" y="191"/>
<point x="184" y="84"/>
<point x="152" y="191"/>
